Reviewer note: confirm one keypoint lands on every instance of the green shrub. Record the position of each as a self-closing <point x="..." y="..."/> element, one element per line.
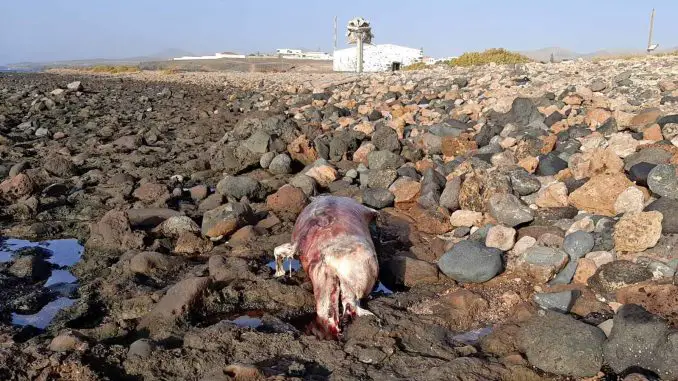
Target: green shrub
<point x="499" y="56"/>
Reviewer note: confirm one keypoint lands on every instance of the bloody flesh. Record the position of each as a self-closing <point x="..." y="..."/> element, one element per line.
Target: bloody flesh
<point x="333" y="240"/>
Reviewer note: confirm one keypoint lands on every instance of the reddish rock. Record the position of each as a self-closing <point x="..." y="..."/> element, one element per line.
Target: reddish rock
<point x="431" y="221"/>
<point x="113" y="233"/>
<point x="324" y="175"/>
<point x="595" y="162"/>
<point x="585" y="269"/>
<point x="659" y="299"/>
<point x="653" y="133"/>
<point x="179" y="301"/>
<point x="553" y="196"/>
<point x="18" y="186"/>
<point x="455" y="146"/>
<point x="549" y="143"/>
<point x="530" y="163"/>
<point x="636" y="232"/>
<point x="599" y="194"/>
<point x="644" y="118"/>
<point x="152" y="193"/>
<point x="466" y="218"/>
<point x="268" y="222"/>
<point x="405" y="189"/>
<point x="360" y="155"/>
<point x="301" y="149"/>
<point x="199" y="192"/>
<point x="597" y="117"/>
<point x="365" y="127"/>
<point x="287" y="199"/>
<point x="573" y="100"/>
<point x="410" y="272"/>
<point x="243" y="235"/>
<point x="423" y="165"/>
<point x="190" y="243"/>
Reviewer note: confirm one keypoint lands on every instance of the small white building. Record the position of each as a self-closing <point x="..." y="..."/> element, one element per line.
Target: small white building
<point x="299" y="54"/>
<point x="216" y="56"/>
<point x="382" y="57"/>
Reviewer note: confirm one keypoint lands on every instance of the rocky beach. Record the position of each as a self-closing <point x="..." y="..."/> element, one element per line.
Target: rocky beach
<point x="527" y="228"/>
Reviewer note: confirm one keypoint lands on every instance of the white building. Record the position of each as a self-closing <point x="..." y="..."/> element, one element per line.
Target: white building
<point x="382" y="57"/>
<point x="216" y="56"/>
<point x="301" y="55"/>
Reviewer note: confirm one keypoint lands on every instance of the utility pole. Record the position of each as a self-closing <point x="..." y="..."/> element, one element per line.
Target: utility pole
<point x="360" y="53"/>
<point x="335" y="34"/>
<point x="650" y="45"/>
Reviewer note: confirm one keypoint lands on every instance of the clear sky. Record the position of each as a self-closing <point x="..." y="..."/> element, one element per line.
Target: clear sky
<point x="47" y="30"/>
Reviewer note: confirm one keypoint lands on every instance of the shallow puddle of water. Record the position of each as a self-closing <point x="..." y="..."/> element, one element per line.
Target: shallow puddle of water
<point x="60" y="277"/>
<point x="63" y="253"/>
<point x="380" y="289"/>
<point x="472" y="337"/>
<point x="246" y="321"/>
<point x="42" y="318"/>
<point x="296" y="265"/>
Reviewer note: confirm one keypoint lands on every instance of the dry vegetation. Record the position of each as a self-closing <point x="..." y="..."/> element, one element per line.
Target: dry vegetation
<point x="632" y="57"/>
<point x="111" y="69"/>
<point x="415" y="66"/>
<point x="499" y="56"/>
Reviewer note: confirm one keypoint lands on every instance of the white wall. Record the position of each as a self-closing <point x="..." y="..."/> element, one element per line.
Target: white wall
<point x="214" y="57"/>
<point x="376" y="57"/>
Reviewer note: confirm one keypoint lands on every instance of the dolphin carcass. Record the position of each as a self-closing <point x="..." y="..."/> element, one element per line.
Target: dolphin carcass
<point x="332" y="239"/>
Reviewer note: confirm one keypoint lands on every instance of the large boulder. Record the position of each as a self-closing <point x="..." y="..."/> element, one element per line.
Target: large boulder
<point x="226" y="219"/>
<point x="471" y="262"/>
<point x="560" y="344"/>
<point x="641" y="340"/>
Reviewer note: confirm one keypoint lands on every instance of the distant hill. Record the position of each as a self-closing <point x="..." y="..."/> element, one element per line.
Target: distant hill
<point x="159" y="56"/>
<point x="544" y="54"/>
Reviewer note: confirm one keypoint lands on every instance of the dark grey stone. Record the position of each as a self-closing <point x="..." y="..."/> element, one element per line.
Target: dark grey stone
<point x="450" y="197"/>
<point x="544" y="256"/>
<point x="509" y="210"/>
<point x="640" y="172"/>
<point x="432" y="184"/>
<point x="409" y="171"/>
<point x="618" y="274"/>
<point x="460" y="81"/>
<point x="258" y="142"/>
<point x="241" y="186"/>
<point x="523" y="182"/>
<point x="383" y="160"/>
<point x="641" y="340"/>
<point x="381" y="178"/>
<point x="550" y="164"/>
<point x="652" y="155"/>
<point x="471" y="261"/>
<point x="386" y="139"/>
<point x="559" y="344"/>
<point x="378" y="198"/>
<point x="669" y="209"/>
<point x="557" y="301"/>
<point x="663" y="180"/>
<point x="578" y="244"/>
